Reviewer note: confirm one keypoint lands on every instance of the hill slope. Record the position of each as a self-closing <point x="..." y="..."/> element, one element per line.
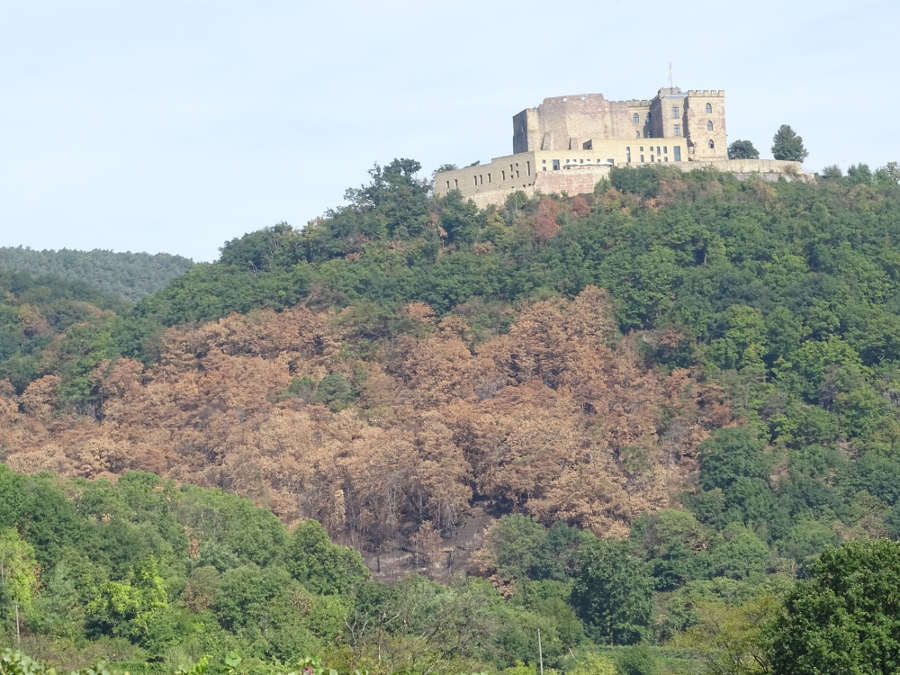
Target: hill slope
<point x="702" y="371"/>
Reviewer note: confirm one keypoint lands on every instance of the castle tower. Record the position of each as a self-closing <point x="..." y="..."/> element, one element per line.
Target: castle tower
<point x="704" y="119"/>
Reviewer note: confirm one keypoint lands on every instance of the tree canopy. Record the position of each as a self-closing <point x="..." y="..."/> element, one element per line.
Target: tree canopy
<point x="845" y="618"/>
<point x="742" y="149"/>
<point x="786" y="144"/>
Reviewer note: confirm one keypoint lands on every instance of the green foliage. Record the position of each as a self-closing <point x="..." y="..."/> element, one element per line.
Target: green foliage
<point x="786" y="144"/>
<point x="130" y="276"/>
<point x="636" y="660"/>
<point x="738" y="553"/>
<point x="265" y="250"/>
<point x="643" y="181"/>
<point x="734" y="473"/>
<point x="131" y="607"/>
<point x="846" y="617"/>
<point x="17" y="663"/>
<point x="742" y="149"/>
<point x="675" y="544"/>
<point x="612" y="592"/>
<point x="18" y="573"/>
<point x="594" y="664"/>
<point x="524" y="549"/>
<point x="321" y="566"/>
<point x="733" y="638"/>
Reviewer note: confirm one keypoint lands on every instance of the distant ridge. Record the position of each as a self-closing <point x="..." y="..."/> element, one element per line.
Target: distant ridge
<point x="131" y="276"/>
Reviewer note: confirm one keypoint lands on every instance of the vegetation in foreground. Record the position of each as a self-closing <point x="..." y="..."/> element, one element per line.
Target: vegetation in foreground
<point x="153" y="577"/>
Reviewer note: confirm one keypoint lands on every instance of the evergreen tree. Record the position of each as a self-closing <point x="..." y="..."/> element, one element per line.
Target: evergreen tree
<point x="786" y="144"/>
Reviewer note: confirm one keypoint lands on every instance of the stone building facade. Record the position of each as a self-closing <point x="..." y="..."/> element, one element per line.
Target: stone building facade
<point x="587" y="121"/>
<point x="568" y="141"/>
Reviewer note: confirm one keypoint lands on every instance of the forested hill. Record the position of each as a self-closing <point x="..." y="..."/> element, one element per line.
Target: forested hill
<point x="701" y="371"/>
<point x="130" y="276"/>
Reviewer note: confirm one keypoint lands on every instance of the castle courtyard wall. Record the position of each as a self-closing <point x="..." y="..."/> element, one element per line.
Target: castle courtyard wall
<point x="577" y="178"/>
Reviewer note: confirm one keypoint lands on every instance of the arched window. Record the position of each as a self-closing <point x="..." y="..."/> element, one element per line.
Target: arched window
<point x="709" y="107"/>
<point x="709" y="125"/>
<point x="636" y="118"/>
<point x="712" y="144"/>
<point x="637" y="134"/>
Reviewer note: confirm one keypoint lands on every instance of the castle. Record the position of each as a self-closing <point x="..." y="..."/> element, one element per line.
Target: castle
<point x="568" y="143"/>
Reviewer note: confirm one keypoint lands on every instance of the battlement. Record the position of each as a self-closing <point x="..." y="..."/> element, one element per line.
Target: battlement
<point x="635" y="102"/>
<point x="719" y="93"/>
<point x="574" y="98"/>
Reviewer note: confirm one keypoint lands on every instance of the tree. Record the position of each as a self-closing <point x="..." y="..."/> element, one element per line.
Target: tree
<point x="741" y="149"/>
<point x="613" y="592"/>
<point x="846" y="617"/>
<point x="18" y="575"/>
<point x="730" y="637"/>
<point x="786" y="144"/>
<point x="321" y="566"/>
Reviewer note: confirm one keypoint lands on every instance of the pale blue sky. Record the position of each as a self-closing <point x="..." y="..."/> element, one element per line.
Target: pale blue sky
<point x="175" y="126"/>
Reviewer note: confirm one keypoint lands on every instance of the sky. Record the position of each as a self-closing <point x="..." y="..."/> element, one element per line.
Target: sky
<point x="176" y="125"/>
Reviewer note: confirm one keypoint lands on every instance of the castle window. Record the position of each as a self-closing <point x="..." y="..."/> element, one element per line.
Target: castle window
<point x="543" y="168"/>
<point x="543" y="161"/>
<point x="676" y="112"/>
<point x="581" y="161"/>
<point x="642" y="159"/>
<point x="476" y="180"/>
<point x="712" y="144"/>
<point x="709" y="107"/>
<point x="665" y="152"/>
<point x="637" y="134"/>
<point x="556" y="165"/>
<point x="677" y="151"/>
<point x="665" y="159"/>
<point x="651" y="158"/>
<point x="489" y="178"/>
<point x="642" y="148"/>
<point x="709" y="125"/>
<point x="503" y="173"/>
<point x="636" y="118"/>
<point x="528" y="166"/>
<point x="657" y="150"/>
<point x="678" y="130"/>
<point x="628" y="155"/>
<point x="456" y="183"/>
<point x="448" y="185"/>
<point x="609" y="160"/>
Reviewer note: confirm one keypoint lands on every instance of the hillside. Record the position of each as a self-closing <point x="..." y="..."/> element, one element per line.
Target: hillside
<point x="130" y="276"/>
<point x="700" y="370"/>
<point x="35" y="313"/>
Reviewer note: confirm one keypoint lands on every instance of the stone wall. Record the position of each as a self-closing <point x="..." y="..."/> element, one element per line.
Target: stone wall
<point x="505" y="174"/>
<point x="577" y="178"/>
<point x="575" y="181"/>
<point x="569" y="122"/>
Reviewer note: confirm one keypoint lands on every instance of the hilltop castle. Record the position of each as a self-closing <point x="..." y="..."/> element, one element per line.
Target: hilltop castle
<point x="568" y="143"/>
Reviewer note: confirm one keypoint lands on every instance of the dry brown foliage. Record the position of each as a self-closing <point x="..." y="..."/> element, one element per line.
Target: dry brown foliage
<point x="559" y="418"/>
